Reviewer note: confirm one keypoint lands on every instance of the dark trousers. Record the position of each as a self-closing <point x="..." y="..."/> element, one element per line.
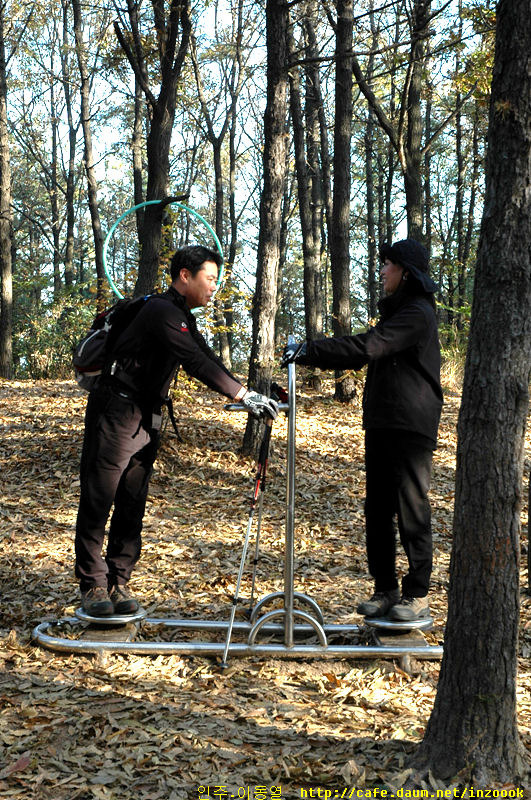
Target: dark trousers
<point x="116" y="463"/>
<point x="398" y="472"/>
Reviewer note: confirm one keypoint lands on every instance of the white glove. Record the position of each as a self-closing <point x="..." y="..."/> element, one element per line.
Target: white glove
<point x="259" y="405"/>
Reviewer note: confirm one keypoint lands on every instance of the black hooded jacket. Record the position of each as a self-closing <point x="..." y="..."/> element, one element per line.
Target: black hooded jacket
<point x="162" y="337"/>
<point x="402" y="388"/>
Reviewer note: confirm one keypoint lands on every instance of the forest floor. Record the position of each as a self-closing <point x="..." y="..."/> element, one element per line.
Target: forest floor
<point x="118" y="727"/>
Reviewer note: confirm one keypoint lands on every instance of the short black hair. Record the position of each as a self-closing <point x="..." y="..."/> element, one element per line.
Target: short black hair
<point x="192" y="258"/>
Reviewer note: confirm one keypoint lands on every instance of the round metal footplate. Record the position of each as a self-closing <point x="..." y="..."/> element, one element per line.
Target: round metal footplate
<point x="392" y="625"/>
<point x="115" y="619"/>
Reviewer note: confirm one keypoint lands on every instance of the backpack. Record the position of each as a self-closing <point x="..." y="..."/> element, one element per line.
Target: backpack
<point x="91" y="353"/>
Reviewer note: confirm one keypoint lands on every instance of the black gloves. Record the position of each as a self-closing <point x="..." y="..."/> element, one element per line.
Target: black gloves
<point x="259" y="405"/>
<point x="292" y="353"/>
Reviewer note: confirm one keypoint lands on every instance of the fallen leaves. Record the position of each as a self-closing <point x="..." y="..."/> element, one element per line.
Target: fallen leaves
<point x="111" y="727"/>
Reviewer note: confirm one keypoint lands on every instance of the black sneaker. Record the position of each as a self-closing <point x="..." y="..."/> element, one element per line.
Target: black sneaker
<point x="123" y="601"/>
<point x="379" y="604"/>
<point x="410" y="609"/>
<point x="97" y="603"/>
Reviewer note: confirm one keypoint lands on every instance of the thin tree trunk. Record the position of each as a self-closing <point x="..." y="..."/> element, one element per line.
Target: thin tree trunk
<point x="137" y="151"/>
<point x="6" y="222"/>
<point x="473" y="724"/>
<point x="460" y="191"/>
<point x="340" y="239"/>
<point x="427" y="166"/>
<point x="92" y="184"/>
<point x="54" y="192"/>
<point x="391" y="153"/>
<point x="233" y="227"/>
<point x="413" y="151"/>
<point x="72" y="141"/>
<point x="325" y="166"/>
<point x="285" y="302"/>
<point x="313" y="102"/>
<point x="474" y="182"/>
<point x="220" y="322"/>
<point x="322" y="200"/>
<point x="310" y="244"/>
<point x="369" y="143"/>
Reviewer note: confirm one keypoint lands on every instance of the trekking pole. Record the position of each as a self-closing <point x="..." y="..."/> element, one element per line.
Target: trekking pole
<point x="263" y="460"/>
<point x="281" y="396"/>
<point x="260" y="476"/>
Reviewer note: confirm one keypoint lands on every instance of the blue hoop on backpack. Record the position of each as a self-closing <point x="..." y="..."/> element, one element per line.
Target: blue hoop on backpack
<point x="188" y="210"/>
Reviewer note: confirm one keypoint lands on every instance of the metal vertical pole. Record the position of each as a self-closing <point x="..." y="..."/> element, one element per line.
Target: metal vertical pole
<point x="290" y="508"/>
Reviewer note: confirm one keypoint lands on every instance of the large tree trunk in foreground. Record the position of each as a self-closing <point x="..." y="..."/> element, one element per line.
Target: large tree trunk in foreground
<point x="473" y="724"/>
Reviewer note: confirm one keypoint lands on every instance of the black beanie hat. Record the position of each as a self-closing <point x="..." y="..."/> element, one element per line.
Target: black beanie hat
<point x="413" y="256"/>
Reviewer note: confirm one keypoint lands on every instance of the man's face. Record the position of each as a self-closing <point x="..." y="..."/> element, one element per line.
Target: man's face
<point x="199" y="288"/>
<point x="391" y="275"/>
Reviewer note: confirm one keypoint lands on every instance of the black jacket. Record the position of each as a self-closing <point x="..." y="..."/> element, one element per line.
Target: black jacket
<point x="162" y="337"/>
<point x="402" y="388"/>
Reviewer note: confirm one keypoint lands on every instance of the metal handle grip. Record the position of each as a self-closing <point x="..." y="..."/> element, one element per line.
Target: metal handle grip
<point x="241" y="407"/>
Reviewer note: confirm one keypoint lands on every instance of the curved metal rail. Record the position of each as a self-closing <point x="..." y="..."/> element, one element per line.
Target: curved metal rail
<point x="43" y="636"/>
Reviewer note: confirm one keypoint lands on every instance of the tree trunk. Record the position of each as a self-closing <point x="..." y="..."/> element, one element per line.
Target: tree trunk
<point x="6" y="223"/>
<point x="230" y="256"/>
<point x="313" y="100"/>
<point x="369" y="143"/>
<point x="322" y="157"/>
<point x="372" y="267"/>
<point x="340" y="239"/>
<point x="473" y="724"/>
<point x="285" y="318"/>
<point x="428" y="227"/>
<point x="413" y="153"/>
<point x="92" y="184"/>
<point x="54" y="191"/>
<point x="406" y="135"/>
<point x="391" y="154"/>
<point x="171" y="55"/>
<point x="220" y="328"/>
<point x="325" y="164"/>
<point x="305" y="181"/>
<point x="72" y="140"/>
<point x="234" y="83"/>
<point x="274" y="167"/>
<point x="137" y="151"/>
<point x="157" y="150"/>
<point x="474" y="182"/>
<point x="460" y="191"/>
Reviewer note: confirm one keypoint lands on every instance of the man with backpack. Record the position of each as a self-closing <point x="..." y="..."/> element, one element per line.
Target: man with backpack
<point x="122" y="426"/>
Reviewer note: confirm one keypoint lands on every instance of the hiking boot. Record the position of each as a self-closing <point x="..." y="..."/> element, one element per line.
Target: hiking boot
<point x="379" y="604"/>
<point x="96" y="602"/>
<point x="122" y="600"/>
<point x="410" y="609"/>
